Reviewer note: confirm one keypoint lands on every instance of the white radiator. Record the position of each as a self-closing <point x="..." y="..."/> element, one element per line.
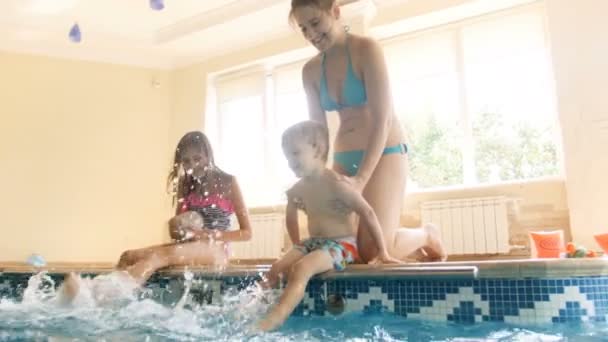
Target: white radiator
<point x="267" y="238"/>
<point x="471" y="225"/>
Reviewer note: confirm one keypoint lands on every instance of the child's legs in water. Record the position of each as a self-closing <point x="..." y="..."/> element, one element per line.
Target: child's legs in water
<point x="300" y="273"/>
<point x="283" y="265"/>
<point x="70" y="287"/>
<point x="180" y="254"/>
<point x="157" y="257"/>
<point x="132" y="256"/>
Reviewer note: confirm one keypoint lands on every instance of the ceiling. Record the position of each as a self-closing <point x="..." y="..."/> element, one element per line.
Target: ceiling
<point x="130" y="32"/>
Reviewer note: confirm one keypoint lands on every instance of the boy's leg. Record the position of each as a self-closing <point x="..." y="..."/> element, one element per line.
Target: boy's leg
<point x="281" y="266"/>
<point x="409" y="241"/>
<point x="309" y="265"/>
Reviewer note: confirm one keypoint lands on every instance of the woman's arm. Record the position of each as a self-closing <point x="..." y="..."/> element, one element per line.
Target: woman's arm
<point x="367" y="214"/>
<point x="380" y="104"/>
<point x="315" y="111"/>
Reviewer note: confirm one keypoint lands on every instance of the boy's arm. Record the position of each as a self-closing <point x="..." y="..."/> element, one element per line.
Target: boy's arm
<point x="356" y="201"/>
<point x="291" y="217"/>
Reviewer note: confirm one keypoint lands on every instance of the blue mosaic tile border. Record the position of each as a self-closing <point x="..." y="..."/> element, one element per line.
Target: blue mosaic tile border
<point x="519" y="301"/>
<point x="522" y="301"/>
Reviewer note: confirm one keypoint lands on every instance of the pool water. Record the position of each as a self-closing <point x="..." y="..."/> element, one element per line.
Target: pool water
<point x="38" y="317"/>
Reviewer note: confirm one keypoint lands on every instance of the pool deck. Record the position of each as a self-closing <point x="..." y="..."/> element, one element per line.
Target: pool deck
<point x="520" y="268"/>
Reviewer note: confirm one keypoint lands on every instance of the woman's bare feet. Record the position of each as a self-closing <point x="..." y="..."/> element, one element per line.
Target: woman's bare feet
<point x="434" y="249"/>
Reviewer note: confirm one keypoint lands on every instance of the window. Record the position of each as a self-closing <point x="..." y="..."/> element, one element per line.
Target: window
<point x="253" y="109"/>
<point x="475" y="99"/>
<point x="290" y="107"/>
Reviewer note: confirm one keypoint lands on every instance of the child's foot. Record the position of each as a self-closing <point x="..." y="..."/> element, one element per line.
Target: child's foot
<point x="418" y="255"/>
<point x="267" y="324"/>
<point x="269" y="281"/>
<point x="434" y="249"/>
<point x="70" y="288"/>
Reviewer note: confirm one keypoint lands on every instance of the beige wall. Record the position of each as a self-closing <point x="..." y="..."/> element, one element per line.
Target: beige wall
<point x="533" y="205"/>
<point x="83" y="157"/>
<point x="580" y="57"/>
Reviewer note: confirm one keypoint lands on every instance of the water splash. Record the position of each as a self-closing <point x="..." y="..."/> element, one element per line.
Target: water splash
<point x="188" y="276"/>
<point x="157" y="5"/>
<point x="40" y="289"/>
<point x="75" y="35"/>
<point x="41" y="313"/>
<point x="40" y="317"/>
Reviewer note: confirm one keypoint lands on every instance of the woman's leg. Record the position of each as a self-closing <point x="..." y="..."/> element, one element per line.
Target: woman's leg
<point x="309" y="265"/>
<point x="385" y="192"/>
<point x="422" y="244"/>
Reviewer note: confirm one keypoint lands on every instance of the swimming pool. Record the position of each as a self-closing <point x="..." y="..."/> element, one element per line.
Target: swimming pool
<point x="504" y="301"/>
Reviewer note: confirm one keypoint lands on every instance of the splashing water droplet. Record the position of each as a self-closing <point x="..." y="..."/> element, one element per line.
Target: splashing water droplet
<point x="157" y="5"/>
<point x="75" y="35"/>
<point x="206" y="193"/>
<point x="189" y="172"/>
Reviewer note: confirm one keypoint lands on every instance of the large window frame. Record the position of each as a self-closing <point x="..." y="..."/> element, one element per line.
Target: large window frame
<point x="285" y="80"/>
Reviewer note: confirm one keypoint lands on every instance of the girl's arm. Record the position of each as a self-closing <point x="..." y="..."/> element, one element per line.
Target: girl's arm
<point x="186" y="226"/>
<point x="176" y="231"/>
<point x="242" y="216"/>
<point x="380" y="103"/>
<point x="182" y="230"/>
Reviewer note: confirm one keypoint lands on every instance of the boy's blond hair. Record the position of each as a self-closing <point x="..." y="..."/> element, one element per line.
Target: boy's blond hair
<point x="311" y="132"/>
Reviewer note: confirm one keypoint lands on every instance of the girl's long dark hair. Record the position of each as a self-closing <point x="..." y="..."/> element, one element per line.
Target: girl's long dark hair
<point x="180" y="185"/>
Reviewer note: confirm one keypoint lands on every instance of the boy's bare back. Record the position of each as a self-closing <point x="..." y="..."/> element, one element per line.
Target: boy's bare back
<point x="326" y="200"/>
